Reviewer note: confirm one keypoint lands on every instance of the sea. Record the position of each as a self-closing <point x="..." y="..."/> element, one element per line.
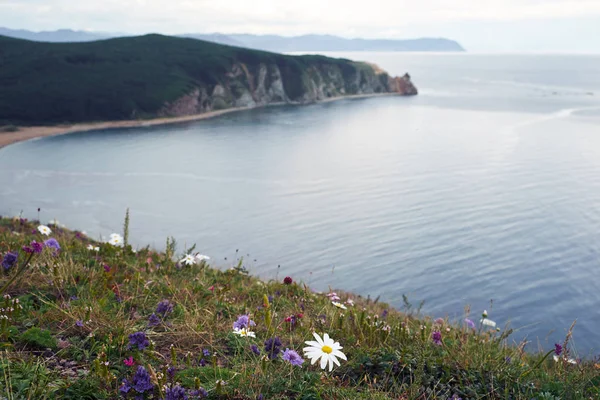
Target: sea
<point x="481" y="193"/>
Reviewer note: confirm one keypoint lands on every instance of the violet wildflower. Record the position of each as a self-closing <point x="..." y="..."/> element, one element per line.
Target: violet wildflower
<point x="175" y="393"/>
<point x="125" y="388"/>
<point x="384" y="314"/>
<point x="141" y="380"/>
<point x="242" y="322"/>
<point x="203" y="363"/>
<point x="138" y="340"/>
<point x="171" y="371"/>
<point x="153" y="320"/>
<point x="9" y="260"/>
<point x="206" y="353"/>
<point x="292" y="357"/>
<point x="79" y="323"/>
<point x="37" y="247"/>
<point x="437" y="338"/>
<point x="255" y="349"/>
<point x="27" y="249"/>
<point x="106" y="268"/>
<point x="164" y="307"/>
<point x="508" y="360"/>
<point x="273" y="347"/>
<point x="558" y="349"/>
<point x="52" y="244"/>
<point x="260" y="397"/>
<point x="470" y="323"/>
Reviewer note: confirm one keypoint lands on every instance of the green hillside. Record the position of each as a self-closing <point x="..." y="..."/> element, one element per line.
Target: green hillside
<point x="134" y="77"/>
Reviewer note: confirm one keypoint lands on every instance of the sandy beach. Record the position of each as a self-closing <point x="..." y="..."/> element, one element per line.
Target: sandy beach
<point x="31" y="132"/>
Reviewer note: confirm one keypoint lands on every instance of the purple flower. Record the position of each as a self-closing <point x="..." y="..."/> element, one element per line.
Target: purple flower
<point x="203" y="363"/>
<point x="52" y="244"/>
<point x="138" y="339"/>
<point x="255" y="349"/>
<point x="206" y="353"/>
<point x="260" y="397"/>
<point x="141" y="380"/>
<point x="508" y="360"/>
<point x="175" y="393"/>
<point x="558" y="349"/>
<point x="153" y="320"/>
<point x="384" y="314"/>
<point x="27" y="249"/>
<point x="171" y="371"/>
<point x="125" y="387"/>
<point x="79" y="323"/>
<point x="242" y="322"/>
<point x="9" y="260"/>
<point x="37" y="247"/>
<point x="293" y="357"/>
<point x="273" y="347"/>
<point x="288" y="280"/>
<point x="164" y="307"/>
<point x="106" y="268"/>
<point x="437" y="338"/>
<point x="470" y="323"/>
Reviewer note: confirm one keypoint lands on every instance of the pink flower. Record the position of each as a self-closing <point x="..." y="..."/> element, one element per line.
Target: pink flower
<point x="129" y="362"/>
<point x="212" y="288"/>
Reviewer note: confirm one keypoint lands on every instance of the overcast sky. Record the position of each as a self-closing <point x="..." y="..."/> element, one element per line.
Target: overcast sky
<point x="479" y="25"/>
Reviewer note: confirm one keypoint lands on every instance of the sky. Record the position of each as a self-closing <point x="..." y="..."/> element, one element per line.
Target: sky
<point x="479" y="25"/>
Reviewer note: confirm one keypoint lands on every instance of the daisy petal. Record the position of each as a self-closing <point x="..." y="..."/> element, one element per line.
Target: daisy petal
<point x="324" y="361"/>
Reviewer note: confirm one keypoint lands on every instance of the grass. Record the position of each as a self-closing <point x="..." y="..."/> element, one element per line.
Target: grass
<point x="134" y="77"/>
<point x="68" y="317"/>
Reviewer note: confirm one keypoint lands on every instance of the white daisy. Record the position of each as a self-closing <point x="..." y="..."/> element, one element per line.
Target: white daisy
<point x="488" y="322"/>
<point x="201" y="257"/>
<point x="325" y="349"/>
<point x="569" y="360"/>
<point x="93" y="248"/>
<point x="339" y="305"/>
<point x="44" y="230"/>
<point x="116" y="239"/>
<point x="188" y="260"/>
<point x="244" y="332"/>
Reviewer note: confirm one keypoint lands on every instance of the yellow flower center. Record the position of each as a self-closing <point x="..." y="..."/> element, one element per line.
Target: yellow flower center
<point x="327" y="349"/>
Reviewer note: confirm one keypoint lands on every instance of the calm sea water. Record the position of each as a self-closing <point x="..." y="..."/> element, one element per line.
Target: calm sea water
<point x="486" y="186"/>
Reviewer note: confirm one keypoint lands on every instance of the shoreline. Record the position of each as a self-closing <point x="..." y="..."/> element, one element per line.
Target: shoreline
<point x="27" y="133"/>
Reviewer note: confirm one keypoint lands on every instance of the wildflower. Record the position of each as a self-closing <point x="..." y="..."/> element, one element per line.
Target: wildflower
<point x="106" y="268"/>
<point x="569" y="360"/>
<point x="34" y="247"/>
<point x="138" y="339"/>
<point x="339" y="305"/>
<point x="488" y="322"/>
<point x="27" y="249"/>
<point x="164" y="307"/>
<point x="470" y="323"/>
<point x="201" y="257"/>
<point x="557" y="349"/>
<point x="129" y="361"/>
<point x="93" y="248"/>
<point x="272" y="347"/>
<point x="9" y="260"/>
<point x="439" y="321"/>
<point x="484" y="314"/>
<point x="288" y="280"/>
<point x="79" y="323"/>
<point x="243" y="321"/>
<point x="350" y="302"/>
<point x="206" y="352"/>
<point x="436" y="336"/>
<point x="188" y="260"/>
<point x="175" y="393"/>
<point x="255" y="349"/>
<point x="125" y="387"/>
<point x="141" y="380"/>
<point x="325" y="349"/>
<point x="200" y="393"/>
<point x="44" y="230"/>
<point x="53" y="244"/>
<point x="116" y="239"/>
<point x="292" y="357"/>
<point x="244" y="332"/>
<point x="333" y="296"/>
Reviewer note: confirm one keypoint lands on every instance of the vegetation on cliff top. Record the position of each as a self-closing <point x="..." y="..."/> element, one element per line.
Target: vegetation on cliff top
<point x="83" y="319"/>
<point x="131" y="77"/>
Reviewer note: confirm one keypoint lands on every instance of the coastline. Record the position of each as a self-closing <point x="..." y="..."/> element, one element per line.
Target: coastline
<point x="26" y="133"/>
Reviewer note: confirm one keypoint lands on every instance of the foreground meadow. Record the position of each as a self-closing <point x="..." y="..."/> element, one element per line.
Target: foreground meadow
<point x="83" y="319"/>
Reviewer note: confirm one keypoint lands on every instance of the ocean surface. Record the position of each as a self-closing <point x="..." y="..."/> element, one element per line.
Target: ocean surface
<point x="484" y="188"/>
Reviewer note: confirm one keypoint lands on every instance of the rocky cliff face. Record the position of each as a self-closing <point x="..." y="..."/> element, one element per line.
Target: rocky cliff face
<point x="246" y="85"/>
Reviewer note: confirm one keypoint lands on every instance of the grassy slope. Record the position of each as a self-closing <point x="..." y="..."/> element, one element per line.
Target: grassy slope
<point x="106" y="80"/>
<point x="114" y="292"/>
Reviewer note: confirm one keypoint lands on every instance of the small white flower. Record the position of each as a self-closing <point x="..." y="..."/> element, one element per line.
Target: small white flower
<point x="485" y="314"/>
<point x="244" y="332"/>
<point x="488" y="322"/>
<point x="116" y="239"/>
<point x="325" y="349"/>
<point x="201" y="257"/>
<point x="93" y="248"/>
<point x="339" y="305"/>
<point x="188" y="260"/>
<point x="44" y="230"/>
<point x="350" y="302"/>
<point x="569" y="360"/>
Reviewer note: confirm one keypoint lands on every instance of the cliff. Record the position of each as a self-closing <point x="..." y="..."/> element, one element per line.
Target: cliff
<point x="157" y="76"/>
